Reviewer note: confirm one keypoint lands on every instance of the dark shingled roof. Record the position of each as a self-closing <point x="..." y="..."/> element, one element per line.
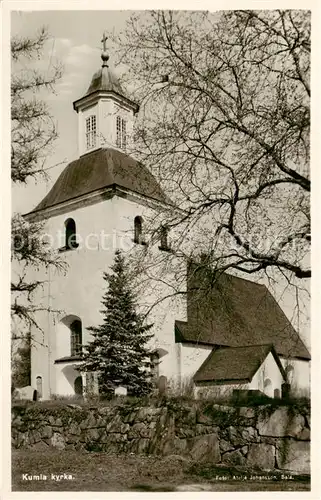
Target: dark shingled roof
<point x="234" y="363"/>
<point x="105" y="80"/>
<point x="228" y="311"/>
<point x="100" y="169"/>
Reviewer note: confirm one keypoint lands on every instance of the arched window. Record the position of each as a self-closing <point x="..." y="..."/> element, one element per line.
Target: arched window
<point x="164" y="238"/>
<point x="138" y="230"/>
<point x="70" y="232"/>
<point x="75" y="337"/>
<point x="91" y="132"/>
<point x="39" y="386"/>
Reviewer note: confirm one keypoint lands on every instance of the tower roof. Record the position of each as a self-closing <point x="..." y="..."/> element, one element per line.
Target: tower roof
<point x="105" y="80"/>
<point x="101" y="169"/>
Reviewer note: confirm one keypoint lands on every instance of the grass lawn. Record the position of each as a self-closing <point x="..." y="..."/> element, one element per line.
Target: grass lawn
<point x="104" y="472"/>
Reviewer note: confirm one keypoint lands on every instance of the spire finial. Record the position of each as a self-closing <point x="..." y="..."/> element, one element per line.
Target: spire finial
<point x="104" y="55"/>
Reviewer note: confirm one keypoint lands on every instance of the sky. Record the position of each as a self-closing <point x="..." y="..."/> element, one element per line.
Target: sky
<point x="75" y="41"/>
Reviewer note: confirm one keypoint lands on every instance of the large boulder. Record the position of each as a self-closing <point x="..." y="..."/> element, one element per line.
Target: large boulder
<point x="175" y="446"/>
<point x="249" y="434"/>
<point x="261" y="456"/>
<point x="225" y="445"/>
<point x="57" y="441"/>
<point x="46" y="432"/>
<point x="293" y="455"/>
<point x="246" y="412"/>
<point x="235" y="457"/>
<point x="138" y="430"/>
<point x="205" y="447"/>
<point x="280" y="423"/>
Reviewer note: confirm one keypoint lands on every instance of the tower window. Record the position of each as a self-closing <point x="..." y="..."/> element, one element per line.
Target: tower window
<point x="91" y="132"/>
<point x="71" y="242"/>
<point x="75" y="337"/>
<point x="121" y="135"/>
<point x="138" y="230"/>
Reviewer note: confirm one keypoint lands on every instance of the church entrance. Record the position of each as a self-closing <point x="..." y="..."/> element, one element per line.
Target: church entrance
<point x="78" y="386"/>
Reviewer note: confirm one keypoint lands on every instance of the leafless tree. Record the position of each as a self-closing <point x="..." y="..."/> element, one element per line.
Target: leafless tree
<point x="33" y="130"/>
<point x="33" y="134"/>
<point x="225" y="124"/>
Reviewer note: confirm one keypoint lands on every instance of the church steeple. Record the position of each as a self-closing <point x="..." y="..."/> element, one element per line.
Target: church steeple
<point x="104" y="54"/>
<point x="105" y="113"/>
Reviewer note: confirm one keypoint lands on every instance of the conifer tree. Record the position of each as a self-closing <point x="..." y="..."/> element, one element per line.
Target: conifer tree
<point x="118" y="351"/>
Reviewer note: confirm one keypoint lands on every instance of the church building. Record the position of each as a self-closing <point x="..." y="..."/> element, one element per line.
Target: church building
<point x="234" y="337"/>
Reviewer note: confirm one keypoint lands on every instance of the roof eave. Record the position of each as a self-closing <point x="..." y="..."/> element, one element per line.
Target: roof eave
<point x="223" y="381"/>
<point x="278" y="362"/>
<point x="114" y="189"/>
<point x="68" y="359"/>
<point x="105" y="93"/>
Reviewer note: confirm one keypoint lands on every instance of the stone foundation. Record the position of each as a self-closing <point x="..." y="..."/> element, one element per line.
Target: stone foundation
<point x="260" y="437"/>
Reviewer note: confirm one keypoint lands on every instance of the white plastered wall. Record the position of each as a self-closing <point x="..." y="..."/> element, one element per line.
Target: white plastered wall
<point x="108" y="111"/>
<point x="269" y="370"/>
<point x="191" y="358"/>
<point x="101" y="229"/>
<point x="66" y="374"/>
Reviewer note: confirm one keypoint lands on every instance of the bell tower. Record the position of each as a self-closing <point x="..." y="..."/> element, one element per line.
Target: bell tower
<point x="105" y="113"/>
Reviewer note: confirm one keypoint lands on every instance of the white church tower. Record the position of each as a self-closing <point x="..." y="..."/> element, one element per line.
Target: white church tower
<point x="99" y="203"/>
<point x="106" y="115"/>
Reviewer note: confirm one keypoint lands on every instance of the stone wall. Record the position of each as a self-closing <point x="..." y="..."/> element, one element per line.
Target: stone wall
<point x="263" y="437"/>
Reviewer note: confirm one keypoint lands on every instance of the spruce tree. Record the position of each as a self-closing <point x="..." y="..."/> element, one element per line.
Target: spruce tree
<point x="118" y="351"/>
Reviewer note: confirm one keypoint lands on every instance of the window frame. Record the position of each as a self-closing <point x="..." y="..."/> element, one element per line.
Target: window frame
<point x="70" y="235"/>
<point x="138" y="230"/>
<point x="118" y="131"/>
<point x="75" y="338"/>
<point x="164" y="245"/>
<point x="39" y="378"/>
<point x="121" y="132"/>
<point x="91" y="132"/>
<point x="124" y="133"/>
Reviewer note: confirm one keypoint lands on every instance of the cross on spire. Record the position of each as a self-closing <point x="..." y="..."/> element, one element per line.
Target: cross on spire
<point x="104" y="54"/>
<point x="104" y="40"/>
